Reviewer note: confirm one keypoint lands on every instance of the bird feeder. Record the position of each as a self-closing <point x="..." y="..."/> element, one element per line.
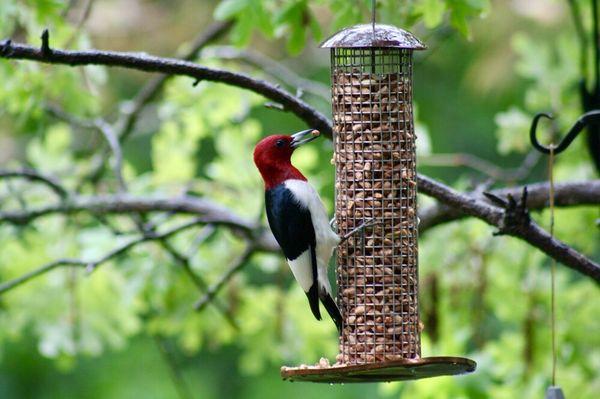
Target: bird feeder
<point x="376" y="180"/>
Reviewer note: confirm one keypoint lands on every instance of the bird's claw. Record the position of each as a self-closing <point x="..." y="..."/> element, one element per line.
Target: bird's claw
<point x="333" y="223"/>
<point x="361" y="228"/>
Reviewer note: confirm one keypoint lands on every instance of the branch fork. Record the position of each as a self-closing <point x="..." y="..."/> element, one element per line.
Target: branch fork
<point x="516" y="215"/>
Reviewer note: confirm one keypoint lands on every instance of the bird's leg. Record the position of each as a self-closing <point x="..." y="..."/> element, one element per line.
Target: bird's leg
<point x="361" y="228"/>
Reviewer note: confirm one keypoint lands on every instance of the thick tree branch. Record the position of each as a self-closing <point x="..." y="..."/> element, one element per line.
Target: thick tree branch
<point x="456" y="205"/>
<point x="170" y="66"/>
<point x="566" y="195"/>
<point x="211" y="212"/>
<point x="527" y="231"/>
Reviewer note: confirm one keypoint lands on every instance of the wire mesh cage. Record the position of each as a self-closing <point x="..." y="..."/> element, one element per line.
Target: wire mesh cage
<point x="377" y="270"/>
<point x="376" y="179"/>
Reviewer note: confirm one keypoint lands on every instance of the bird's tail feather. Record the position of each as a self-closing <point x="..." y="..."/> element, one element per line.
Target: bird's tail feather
<point x="313" y="301"/>
<point x="332" y="309"/>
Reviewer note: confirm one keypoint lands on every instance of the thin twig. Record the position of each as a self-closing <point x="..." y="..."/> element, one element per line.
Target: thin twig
<point x="484" y="166"/>
<point x="58" y="113"/>
<point x="113" y="142"/>
<point x="108" y="133"/>
<point x="197" y="280"/>
<point x="151" y="89"/>
<point x="93" y="264"/>
<point x="130" y="114"/>
<point x="181" y="386"/>
<point x="271" y="67"/>
<point x="33" y="175"/>
<point x="85" y="14"/>
<point x="235" y="267"/>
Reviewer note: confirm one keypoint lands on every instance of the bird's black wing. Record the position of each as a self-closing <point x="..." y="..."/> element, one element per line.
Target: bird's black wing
<point x="292" y="227"/>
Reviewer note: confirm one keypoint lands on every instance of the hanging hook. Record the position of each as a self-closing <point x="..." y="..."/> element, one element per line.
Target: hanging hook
<point x="584" y="120"/>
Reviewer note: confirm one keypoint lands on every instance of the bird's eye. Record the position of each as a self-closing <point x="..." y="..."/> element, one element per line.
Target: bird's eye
<point x="280" y="143"/>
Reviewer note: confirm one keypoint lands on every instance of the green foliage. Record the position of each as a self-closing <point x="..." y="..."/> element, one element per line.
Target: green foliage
<point x="294" y="19"/>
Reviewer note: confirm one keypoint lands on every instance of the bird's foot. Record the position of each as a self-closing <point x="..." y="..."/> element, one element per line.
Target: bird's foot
<point x="360" y="229"/>
<point x="333" y="224"/>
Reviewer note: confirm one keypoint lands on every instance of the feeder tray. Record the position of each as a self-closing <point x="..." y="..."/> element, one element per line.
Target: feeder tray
<point x="376" y="181"/>
<point x="394" y="370"/>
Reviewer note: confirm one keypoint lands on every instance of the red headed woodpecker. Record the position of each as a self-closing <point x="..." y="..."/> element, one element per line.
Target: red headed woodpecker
<point x="298" y="219"/>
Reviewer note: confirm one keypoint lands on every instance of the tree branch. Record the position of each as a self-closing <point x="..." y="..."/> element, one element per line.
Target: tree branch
<point x="177" y="378"/>
<point x="271" y="67"/>
<point x="171" y="66"/>
<point x="93" y="264"/>
<point x="151" y="89"/>
<point x="197" y="280"/>
<point x="566" y="195"/>
<point x="463" y="203"/>
<point x="529" y="231"/>
<point x="123" y="204"/>
<point x="33" y="175"/>
<point x="115" y="147"/>
<point x="235" y="267"/>
<point x="125" y="124"/>
<point x="484" y="166"/>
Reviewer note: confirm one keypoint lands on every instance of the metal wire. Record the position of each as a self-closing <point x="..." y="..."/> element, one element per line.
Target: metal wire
<point x="376" y="180"/>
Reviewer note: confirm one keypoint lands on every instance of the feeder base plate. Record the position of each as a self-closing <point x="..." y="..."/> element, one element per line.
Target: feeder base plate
<point x="395" y="370"/>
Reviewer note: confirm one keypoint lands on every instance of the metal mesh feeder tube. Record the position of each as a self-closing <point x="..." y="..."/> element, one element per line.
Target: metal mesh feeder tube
<point x="375" y="181"/>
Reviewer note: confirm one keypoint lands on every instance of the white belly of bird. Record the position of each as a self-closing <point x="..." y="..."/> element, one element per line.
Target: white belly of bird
<point x="325" y="237"/>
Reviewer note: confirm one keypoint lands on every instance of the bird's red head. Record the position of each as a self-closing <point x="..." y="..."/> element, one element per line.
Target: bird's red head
<point x="272" y="156"/>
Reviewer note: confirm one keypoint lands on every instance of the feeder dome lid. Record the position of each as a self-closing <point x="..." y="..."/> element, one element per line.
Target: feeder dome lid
<point x="365" y="36"/>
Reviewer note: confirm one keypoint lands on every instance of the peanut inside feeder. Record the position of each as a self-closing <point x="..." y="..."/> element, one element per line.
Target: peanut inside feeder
<point x="377" y="274"/>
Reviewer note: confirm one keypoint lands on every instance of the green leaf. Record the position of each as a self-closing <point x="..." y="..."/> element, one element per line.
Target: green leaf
<point x="315" y="28"/>
<point x="291" y="13"/>
<point x="461" y="11"/>
<point x="262" y="18"/>
<point x="511" y="133"/>
<point x="242" y="32"/>
<point x="229" y="8"/>
<point x="432" y="12"/>
<point x="296" y="40"/>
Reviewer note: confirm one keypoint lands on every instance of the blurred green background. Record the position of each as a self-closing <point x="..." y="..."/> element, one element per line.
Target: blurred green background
<point x="129" y="330"/>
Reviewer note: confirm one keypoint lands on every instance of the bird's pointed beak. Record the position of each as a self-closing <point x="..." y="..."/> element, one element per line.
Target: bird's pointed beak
<point x="304" y="137"/>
